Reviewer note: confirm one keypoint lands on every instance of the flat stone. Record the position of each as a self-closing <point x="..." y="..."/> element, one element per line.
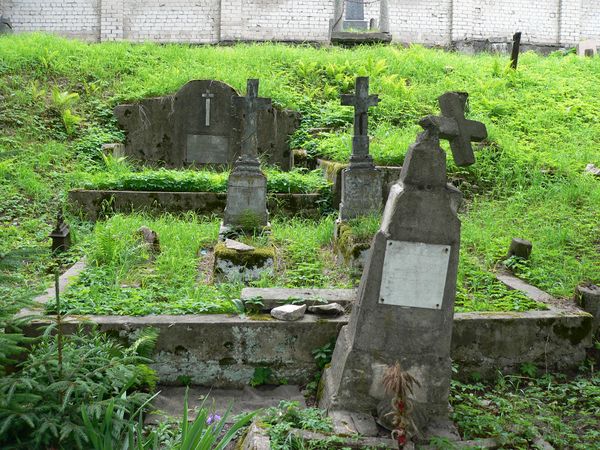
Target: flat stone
<point x="237" y="245"/>
<point x="330" y="309"/>
<point x="169" y="403"/>
<point x="512" y="282"/>
<point x="289" y="312"/>
<point x="273" y="297"/>
<point x="349" y="422"/>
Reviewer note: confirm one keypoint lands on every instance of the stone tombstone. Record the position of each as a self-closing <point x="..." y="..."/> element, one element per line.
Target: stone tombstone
<point x="201" y="125"/>
<point x="406" y="296"/>
<point x="361" y="181"/>
<point x="588" y="48"/>
<point x="5" y="26"/>
<point x="355" y="15"/>
<point x="246" y="207"/>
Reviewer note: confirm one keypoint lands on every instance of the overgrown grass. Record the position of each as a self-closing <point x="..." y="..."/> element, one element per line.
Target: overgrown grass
<point x="119" y="175"/>
<point x="123" y="278"/>
<point x="521" y="411"/>
<point x="543" y="122"/>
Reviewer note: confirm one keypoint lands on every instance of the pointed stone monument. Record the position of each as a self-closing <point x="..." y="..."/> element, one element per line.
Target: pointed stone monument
<point x="361" y="181"/>
<point x="246" y="207"/>
<point x="406" y="297"/>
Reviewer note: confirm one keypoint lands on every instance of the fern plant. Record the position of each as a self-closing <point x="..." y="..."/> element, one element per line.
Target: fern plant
<point x="40" y="403"/>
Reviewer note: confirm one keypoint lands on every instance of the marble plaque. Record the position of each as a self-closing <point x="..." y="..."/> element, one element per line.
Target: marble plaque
<point x="207" y="149"/>
<point x="414" y="274"/>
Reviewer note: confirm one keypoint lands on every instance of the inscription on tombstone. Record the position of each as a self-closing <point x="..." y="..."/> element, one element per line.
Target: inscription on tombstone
<point x="405" y="308"/>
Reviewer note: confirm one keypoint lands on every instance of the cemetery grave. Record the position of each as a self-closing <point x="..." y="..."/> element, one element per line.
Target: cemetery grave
<point x="143" y="265"/>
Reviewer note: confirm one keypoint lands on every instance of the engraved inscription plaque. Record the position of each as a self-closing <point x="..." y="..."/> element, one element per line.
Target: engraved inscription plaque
<point x="207" y="149"/>
<point x="414" y="274"/>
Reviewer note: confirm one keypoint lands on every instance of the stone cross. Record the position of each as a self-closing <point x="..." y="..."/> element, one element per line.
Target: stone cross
<point x="246" y="208"/>
<point x="362" y="101"/>
<point x="405" y="307"/>
<point x="251" y="104"/>
<point x="453" y="126"/>
<point x="207" y="95"/>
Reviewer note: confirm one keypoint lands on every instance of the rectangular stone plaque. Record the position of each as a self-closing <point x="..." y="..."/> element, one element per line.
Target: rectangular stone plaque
<point x="414" y="274"/>
<point x="207" y="149"/>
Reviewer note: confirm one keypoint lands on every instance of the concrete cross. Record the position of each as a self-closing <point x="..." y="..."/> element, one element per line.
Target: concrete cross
<point x="362" y="101"/>
<point x="207" y="95"/>
<point x="251" y="104"/>
<point x="453" y="126"/>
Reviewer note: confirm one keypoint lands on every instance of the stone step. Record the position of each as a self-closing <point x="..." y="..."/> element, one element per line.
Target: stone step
<point x="273" y="297"/>
<point x="169" y="402"/>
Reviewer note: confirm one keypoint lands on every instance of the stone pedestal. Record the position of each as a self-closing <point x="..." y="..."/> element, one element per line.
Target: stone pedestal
<point x="406" y="297"/>
<point x="246" y="199"/>
<point x="361" y="192"/>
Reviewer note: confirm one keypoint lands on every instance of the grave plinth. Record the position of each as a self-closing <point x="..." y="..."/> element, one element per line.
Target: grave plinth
<point x="406" y="296"/>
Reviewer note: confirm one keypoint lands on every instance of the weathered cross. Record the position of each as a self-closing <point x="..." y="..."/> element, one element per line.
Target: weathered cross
<point x="453" y="126"/>
<point x="207" y="95"/>
<point x="361" y="100"/>
<point x="251" y="104"/>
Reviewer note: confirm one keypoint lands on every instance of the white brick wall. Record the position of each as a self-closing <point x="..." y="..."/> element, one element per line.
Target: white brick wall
<point x="283" y="20"/>
<point x="590" y="19"/>
<point x="171" y="20"/>
<point x="73" y="18"/>
<point x="439" y="22"/>
<point x="422" y="21"/>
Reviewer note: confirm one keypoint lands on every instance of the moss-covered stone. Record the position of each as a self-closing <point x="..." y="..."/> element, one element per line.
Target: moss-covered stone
<point x="347" y="245"/>
<point x="249" y="258"/>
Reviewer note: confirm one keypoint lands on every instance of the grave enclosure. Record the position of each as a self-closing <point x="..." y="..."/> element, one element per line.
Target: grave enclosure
<point x="403" y="310"/>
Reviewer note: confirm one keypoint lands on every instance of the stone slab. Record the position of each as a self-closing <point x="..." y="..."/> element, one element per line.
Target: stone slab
<point x="351" y="38"/>
<point x="170" y="400"/>
<point x="93" y="204"/>
<point x="273" y="297"/>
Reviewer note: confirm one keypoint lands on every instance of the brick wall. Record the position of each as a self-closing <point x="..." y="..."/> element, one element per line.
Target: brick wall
<point x="72" y="18"/>
<point x="590" y="19"/>
<point x="422" y="21"/>
<point x="282" y="20"/>
<point x="433" y="22"/>
<point x="171" y="20"/>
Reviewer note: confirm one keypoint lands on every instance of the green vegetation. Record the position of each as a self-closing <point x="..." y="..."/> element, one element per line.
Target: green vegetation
<point x="41" y="400"/>
<point x="120" y="175"/>
<point x="543" y="124"/>
<point x="520" y="410"/>
<point x="122" y="277"/>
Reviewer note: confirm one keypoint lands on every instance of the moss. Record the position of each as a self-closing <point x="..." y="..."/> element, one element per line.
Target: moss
<point x="347" y="244"/>
<point x="574" y="334"/>
<point x="261" y="317"/>
<point x="251" y="258"/>
<point x="332" y="169"/>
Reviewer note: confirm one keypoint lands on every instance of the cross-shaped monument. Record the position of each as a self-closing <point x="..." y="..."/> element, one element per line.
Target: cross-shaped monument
<point x="361" y="181"/>
<point x="405" y="307"/>
<point x="207" y="96"/>
<point x="246" y="207"/>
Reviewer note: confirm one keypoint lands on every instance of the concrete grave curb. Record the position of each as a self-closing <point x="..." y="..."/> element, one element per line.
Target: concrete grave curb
<point x="224" y="350"/>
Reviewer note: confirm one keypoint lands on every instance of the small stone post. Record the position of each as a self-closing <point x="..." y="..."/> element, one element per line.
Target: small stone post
<point x="406" y="296"/>
<point x="246" y="207"/>
<point x="361" y="181"/>
<point x="60" y="235"/>
<point x="516" y="48"/>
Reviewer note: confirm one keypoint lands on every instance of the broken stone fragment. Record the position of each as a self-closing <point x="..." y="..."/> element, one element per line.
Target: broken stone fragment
<point x="520" y="248"/>
<point x="330" y="309"/>
<point x="150" y="238"/>
<point x="592" y="169"/>
<point x="288" y="312"/>
<point x="238" y="246"/>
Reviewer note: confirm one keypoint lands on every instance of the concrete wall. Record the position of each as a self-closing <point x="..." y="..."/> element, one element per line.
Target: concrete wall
<point x="432" y="22"/>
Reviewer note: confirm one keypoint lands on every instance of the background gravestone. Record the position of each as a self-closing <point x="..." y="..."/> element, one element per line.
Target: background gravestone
<point x="201" y="125"/>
